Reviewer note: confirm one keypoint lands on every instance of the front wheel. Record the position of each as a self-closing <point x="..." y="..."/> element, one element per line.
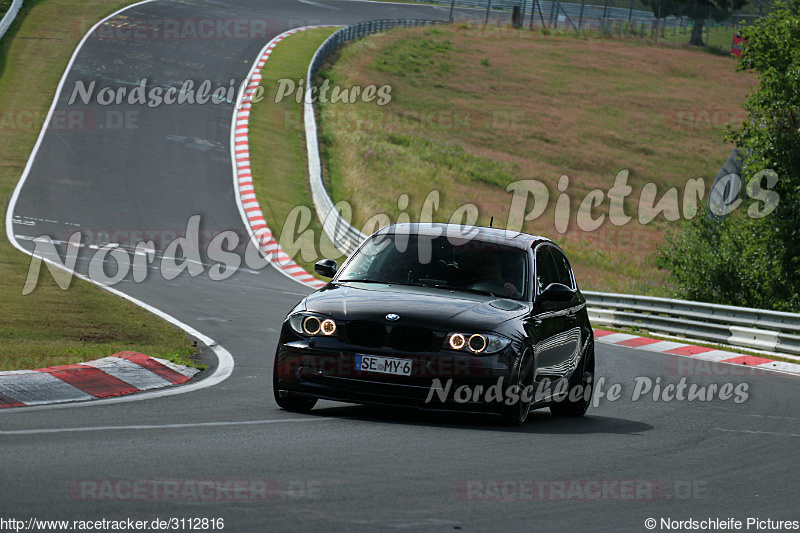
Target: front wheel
<point x="295" y="404"/>
<point x="516" y="413"/>
<point x="583" y="377"/>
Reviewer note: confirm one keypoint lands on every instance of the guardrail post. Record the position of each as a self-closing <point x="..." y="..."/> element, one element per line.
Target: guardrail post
<point x="541" y="15"/>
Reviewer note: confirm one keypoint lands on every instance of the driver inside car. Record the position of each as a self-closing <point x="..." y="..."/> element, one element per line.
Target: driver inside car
<point x="489" y="271"/>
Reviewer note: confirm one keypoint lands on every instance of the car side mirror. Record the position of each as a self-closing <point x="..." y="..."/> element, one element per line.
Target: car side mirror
<point x="557" y="292"/>
<point x="326" y="268"/>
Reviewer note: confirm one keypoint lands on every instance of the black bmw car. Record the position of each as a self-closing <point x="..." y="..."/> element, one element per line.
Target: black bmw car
<point x="446" y="317"/>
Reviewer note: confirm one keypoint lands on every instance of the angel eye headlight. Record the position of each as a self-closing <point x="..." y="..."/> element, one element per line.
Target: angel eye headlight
<point x="476" y="343"/>
<point x="328" y="327"/>
<point x="311" y="325"/>
<point x="457" y="341"/>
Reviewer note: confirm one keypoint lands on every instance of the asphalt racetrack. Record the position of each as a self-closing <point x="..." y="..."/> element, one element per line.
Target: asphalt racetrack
<point x="341" y="467"/>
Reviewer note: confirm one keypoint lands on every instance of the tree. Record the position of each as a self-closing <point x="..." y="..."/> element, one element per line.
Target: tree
<point x="771" y="132"/>
<point x="697" y="10"/>
<point x="739" y="259"/>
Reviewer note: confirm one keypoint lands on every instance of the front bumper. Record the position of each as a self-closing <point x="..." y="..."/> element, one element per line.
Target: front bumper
<point x="329" y="373"/>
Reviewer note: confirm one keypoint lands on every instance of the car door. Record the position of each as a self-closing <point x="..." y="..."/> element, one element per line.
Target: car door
<point x="548" y="321"/>
<point x="571" y="336"/>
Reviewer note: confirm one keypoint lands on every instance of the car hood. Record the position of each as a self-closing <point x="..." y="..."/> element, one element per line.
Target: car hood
<point x="421" y="306"/>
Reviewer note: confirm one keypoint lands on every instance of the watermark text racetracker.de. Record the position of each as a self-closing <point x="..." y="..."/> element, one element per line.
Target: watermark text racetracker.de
<point x="124" y="28"/>
<point x="554" y="490"/>
<point x="193" y="490"/>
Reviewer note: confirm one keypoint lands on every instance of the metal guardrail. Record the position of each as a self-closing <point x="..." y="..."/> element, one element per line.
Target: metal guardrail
<point x="744" y="327"/>
<point x="345" y="237"/>
<point x="9" y="17"/>
<point x="736" y="326"/>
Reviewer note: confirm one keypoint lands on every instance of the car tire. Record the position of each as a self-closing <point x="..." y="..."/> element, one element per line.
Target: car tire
<point x="517" y="413"/>
<point x="581" y="377"/>
<point x="294" y="404"/>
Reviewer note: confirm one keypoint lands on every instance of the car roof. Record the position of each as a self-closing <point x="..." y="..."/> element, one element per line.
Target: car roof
<point x="497" y="235"/>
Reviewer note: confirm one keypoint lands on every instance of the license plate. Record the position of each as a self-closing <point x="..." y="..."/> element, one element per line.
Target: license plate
<point x="383" y="365"/>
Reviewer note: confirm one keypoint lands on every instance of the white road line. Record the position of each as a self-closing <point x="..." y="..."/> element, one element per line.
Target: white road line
<point x="758" y="432"/>
<point x="224" y="358"/>
<point x="318" y="5"/>
<point x="160" y="426"/>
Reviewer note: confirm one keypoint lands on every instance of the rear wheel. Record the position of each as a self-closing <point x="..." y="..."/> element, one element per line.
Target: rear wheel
<point x="516" y="413"/>
<point x="288" y="402"/>
<point x="583" y="377"/>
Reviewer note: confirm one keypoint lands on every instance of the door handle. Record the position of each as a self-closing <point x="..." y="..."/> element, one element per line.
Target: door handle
<point x="571" y="317"/>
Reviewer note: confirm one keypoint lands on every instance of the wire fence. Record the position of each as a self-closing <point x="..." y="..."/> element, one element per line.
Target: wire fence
<point x="671" y="21"/>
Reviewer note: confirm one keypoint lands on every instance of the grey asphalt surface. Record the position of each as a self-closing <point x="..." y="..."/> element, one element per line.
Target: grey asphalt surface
<point x="341" y="467"/>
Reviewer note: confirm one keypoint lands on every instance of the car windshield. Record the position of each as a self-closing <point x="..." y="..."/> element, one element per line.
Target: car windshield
<point x="473" y="266"/>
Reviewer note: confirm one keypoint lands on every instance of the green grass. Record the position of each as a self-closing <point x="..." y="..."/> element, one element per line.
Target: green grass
<point x="720" y="38"/>
<point x="4" y="6"/>
<point x="278" y="151"/>
<point x="543" y="106"/>
<point x="51" y="326"/>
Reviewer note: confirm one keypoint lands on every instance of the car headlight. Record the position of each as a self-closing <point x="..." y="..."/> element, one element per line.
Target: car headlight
<point x="311" y="325"/>
<point x="475" y="343"/>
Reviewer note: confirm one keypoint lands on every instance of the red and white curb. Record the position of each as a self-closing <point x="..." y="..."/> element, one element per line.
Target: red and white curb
<point x="243" y="177"/>
<point x="117" y="375"/>
<point x="695" y="352"/>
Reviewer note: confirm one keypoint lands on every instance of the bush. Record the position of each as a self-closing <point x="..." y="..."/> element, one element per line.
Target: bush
<point x="739" y="260"/>
<point x="733" y="260"/>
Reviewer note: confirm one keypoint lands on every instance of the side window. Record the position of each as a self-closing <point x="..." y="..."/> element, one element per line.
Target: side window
<point x="563" y="268"/>
<point x="546" y="272"/>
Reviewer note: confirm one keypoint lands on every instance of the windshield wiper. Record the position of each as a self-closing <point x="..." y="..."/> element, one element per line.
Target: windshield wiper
<point x="464" y="289"/>
<point x="429" y="285"/>
<point x="364" y="281"/>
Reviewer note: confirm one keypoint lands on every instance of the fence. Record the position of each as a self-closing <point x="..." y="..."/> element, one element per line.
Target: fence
<point x="9" y="17"/>
<point x="551" y="13"/>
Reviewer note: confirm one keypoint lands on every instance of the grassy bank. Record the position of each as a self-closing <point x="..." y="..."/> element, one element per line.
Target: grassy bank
<point x="277" y="147"/>
<point x="473" y="110"/>
<point x="4" y="6"/>
<point x="51" y="326"/>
